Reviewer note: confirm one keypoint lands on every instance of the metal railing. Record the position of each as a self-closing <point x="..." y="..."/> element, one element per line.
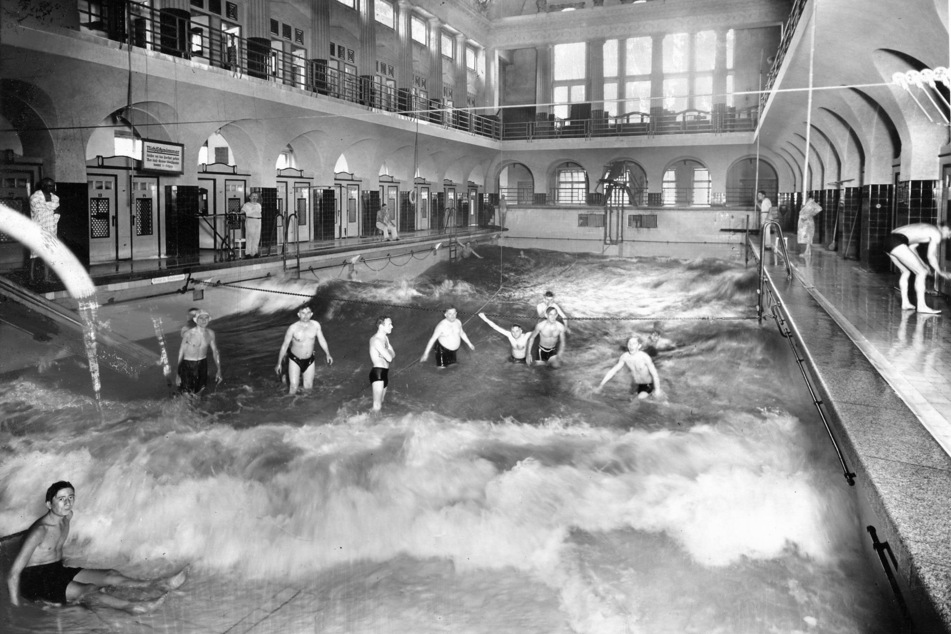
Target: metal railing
<point x="174" y="32"/>
<point x="717" y="121"/>
<point x="789" y="29"/>
<point x="286" y="221"/>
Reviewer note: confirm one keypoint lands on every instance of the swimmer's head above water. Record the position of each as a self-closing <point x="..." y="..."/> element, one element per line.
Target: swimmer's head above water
<point x="55" y="488"/>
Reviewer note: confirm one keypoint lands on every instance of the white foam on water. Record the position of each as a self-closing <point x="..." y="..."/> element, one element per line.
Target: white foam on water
<point x="279" y="502"/>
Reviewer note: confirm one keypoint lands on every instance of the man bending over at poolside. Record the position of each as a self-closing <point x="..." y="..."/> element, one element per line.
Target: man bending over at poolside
<point x="900" y="246"/>
<point x="193" y="356"/>
<point x="551" y="340"/>
<point x="646" y="381"/>
<point x="447" y="337"/>
<point x="38" y="573"/>
<point x="381" y="356"/>
<point x="300" y="338"/>
<point x="518" y="339"/>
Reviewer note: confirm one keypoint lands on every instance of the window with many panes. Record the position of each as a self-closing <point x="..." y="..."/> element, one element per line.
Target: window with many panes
<point x="419" y="30"/>
<point x="701" y="186"/>
<point x="384" y="12"/>
<point x="568" y="77"/>
<point x="627" y="75"/>
<point x="676" y="65"/>
<point x="571" y="184"/>
<point x="689" y="61"/>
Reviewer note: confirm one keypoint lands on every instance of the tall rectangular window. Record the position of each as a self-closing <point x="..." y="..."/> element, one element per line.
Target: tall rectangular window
<point x="627" y="75"/>
<point x="704" y="60"/>
<point x="472" y="58"/>
<point x="419" y="30"/>
<point x="447" y="44"/>
<point x="730" y="70"/>
<point x="384" y="13"/>
<point x="568" y="85"/>
<point x="688" y="65"/>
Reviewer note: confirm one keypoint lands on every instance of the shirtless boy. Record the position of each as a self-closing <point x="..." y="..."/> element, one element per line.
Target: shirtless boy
<point x="38" y="573"/>
<point x="642" y="368"/>
<point x="551" y="340"/>
<point x="900" y="246"/>
<point x="193" y="356"/>
<point x="548" y="301"/>
<point x="298" y="349"/>
<point x="518" y="339"/>
<point x="381" y="356"/>
<point x="447" y="337"/>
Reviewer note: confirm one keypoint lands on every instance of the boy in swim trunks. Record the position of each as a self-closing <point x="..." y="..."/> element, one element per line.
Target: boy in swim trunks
<point x="193" y="356"/>
<point x="298" y="350"/>
<point x="518" y="339"/>
<point x="381" y="356"/>
<point x="447" y="337"/>
<point x="551" y="340"/>
<point x="646" y="381"/>
<point x="38" y="573"/>
<point x="900" y="245"/>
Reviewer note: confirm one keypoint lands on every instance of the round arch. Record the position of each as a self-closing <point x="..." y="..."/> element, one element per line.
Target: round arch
<point x="742" y="181"/>
<point x="516" y="183"/>
<point x="686" y="181"/>
<point x="631" y="177"/>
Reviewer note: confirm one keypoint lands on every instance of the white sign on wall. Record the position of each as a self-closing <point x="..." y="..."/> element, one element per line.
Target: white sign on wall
<point x="161" y="156"/>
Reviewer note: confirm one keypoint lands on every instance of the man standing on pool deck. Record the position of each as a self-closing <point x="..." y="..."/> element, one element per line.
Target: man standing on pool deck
<point x="642" y="368"/>
<point x="381" y="356"/>
<point x="541" y="309"/>
<point x="193" y="356"/>
<point x="447" y="337"/>
<point x="551" y="340"/>
<point x="899" y="246"/>
<point x="518" y="339"/>
<point x="38" y="573"/>
<point x="298" y="347"/>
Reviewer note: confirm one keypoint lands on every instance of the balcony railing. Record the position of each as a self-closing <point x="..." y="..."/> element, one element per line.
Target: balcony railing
<point x="174" y="32"/>
<point x="789" y="29"/>
<point x="717" y="121"/>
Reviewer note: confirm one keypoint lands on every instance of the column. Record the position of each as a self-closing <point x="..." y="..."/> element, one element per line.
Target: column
<point x="434" y="82"/>
<point x="594" y="72"/>
<point x="366" y="64"/>
<point x="460" y="89"/>
<point x="543" y="69"/>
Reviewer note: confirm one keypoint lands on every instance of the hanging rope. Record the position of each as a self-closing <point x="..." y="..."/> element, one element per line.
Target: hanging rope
<point x="470" y="315"/>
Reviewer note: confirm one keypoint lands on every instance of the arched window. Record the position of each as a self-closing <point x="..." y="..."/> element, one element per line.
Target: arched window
<point x="629" y="184"/>
<point x="686" y="182"/>
<point x="571" y="184"/>
<point x="286" y="159"/>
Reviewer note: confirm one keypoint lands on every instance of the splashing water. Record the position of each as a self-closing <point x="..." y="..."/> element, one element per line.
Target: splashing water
<point x="488" y="497"/>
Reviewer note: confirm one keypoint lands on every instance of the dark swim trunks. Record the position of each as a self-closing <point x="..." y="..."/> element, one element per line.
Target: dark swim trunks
<point x="380" y="374"/>
<point x="303" y="364"/>
<point x="194" y="375"/>
<point x="895" y="240"/>
<point x="444" y="356"/>
<point x="644" y="387"/>
<point x="514" y="360"/>
<point x="544" y="354"/>
<point x="46" y="582"/>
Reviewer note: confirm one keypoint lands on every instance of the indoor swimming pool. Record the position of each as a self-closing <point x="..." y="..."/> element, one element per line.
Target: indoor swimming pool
<point x="487" y="497"/>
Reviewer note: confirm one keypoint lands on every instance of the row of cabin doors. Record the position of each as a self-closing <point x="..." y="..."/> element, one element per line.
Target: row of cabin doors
<point x="126" y="216"/>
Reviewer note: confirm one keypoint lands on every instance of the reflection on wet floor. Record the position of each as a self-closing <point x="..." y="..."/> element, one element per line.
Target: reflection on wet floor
<point x="911" y="350"/>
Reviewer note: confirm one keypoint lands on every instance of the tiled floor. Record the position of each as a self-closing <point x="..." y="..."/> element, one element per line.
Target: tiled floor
<point x="912" y="351"/>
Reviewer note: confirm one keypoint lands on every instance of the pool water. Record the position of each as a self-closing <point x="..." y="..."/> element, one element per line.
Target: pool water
<point x="487" y="497"/>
